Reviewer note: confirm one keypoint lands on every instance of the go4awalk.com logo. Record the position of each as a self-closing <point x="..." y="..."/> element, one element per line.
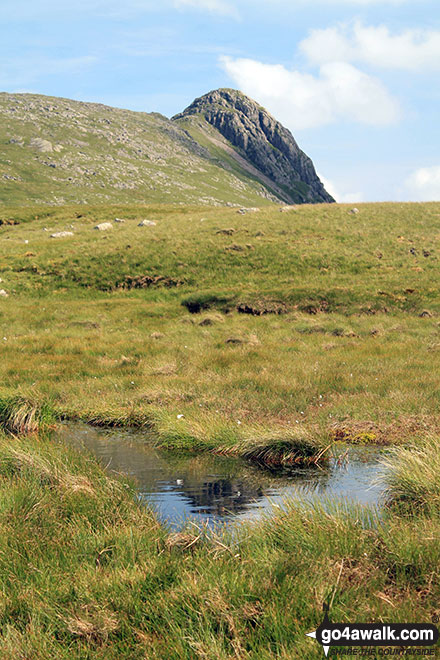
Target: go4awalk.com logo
<point x="362" y="635"/>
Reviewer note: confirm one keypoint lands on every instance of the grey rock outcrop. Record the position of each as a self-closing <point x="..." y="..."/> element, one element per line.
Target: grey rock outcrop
<point x="263" y="141"/>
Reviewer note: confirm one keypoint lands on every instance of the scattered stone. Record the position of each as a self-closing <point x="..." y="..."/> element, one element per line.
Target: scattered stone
<point x="104" y="226"/>
<point x="157" y="335"/>
<point x="41" y="145"/>
<point x="234" y="340"/>
<point x="285" y="209"/>
<point x="3" y="293"/>
<point x="426" y="253"/>
<point x="413" y="251"/>
<point x="61" y="234"/>
<point x="252" y="209"/>
<point x="426" y="314"/>
<point x="147" y="223"/>
<point x="119" y="220"/>
<point x="354" y="211"/>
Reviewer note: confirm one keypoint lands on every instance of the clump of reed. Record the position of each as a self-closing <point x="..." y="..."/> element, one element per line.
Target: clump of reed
<point x="25" y="414"/>
<point x="412" y="475"/>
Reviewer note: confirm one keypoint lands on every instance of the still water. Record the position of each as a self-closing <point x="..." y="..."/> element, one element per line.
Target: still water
<point x="217" y="489"/>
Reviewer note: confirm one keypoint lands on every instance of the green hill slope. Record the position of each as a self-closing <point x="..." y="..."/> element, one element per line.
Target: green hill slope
<point x="57" y="151"/>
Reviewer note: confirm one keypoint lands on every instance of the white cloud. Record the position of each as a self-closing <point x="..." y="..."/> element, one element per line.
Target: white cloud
<point x="410" y="50"/>
<point x="342" y="198"/>
<point x="423" y="185"/>
<point x="301" y="100"/>
<point x="213" y="6"/>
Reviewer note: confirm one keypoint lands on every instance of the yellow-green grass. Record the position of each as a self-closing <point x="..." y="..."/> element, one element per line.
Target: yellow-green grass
<point x="353" y="355"/>
<point x="85" y="572"/>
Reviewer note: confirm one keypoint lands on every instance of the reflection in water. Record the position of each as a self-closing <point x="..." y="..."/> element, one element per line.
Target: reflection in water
<point x="216" y="488"/>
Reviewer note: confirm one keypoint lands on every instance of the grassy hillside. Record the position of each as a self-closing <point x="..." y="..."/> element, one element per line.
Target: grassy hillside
<point x="268" y="335"/>
<point x="311" y="324"/>
<point x="56" y="151"/>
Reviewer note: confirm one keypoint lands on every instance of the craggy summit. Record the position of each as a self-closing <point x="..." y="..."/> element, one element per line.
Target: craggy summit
<point x="261" y="140"/>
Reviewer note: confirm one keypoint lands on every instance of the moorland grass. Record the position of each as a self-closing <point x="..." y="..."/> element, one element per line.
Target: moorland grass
<point x="340" y="342"/>
<point x="86" y="572"/>
<point x="341" y="339"/>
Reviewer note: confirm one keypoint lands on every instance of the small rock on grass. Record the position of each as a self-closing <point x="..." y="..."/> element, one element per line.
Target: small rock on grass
<point x="3" y="293"/>
<point x="119" y="220"/>
<point x="426" y="314"/>
<point x="157" y="335"/>
<point x="147" y="223"/>
<point x="61" y="234"/>
<point x="104" y="226"/>
<point x="252" y="209"/>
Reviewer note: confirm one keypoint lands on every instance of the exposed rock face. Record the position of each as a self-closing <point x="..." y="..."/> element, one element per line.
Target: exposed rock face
<point x="262" y="141"/>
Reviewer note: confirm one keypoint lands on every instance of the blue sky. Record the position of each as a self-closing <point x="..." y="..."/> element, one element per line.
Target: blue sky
<point x="356" y="81"/>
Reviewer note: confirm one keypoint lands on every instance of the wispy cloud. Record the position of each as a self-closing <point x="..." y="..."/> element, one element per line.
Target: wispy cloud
<point x="220" y="7"/>
<point x="301" y="100"/>
<point x="342" y="198"/>
<point x="410" y="50"/>
<point x="424" y="184"/>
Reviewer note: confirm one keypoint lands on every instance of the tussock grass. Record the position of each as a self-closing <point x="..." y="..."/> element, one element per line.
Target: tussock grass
<point x="412" y="475"/>
<point x="88" y="573"/>
<point x="25" y="414"/>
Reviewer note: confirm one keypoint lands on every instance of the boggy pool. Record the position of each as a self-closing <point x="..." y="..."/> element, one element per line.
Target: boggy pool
<point x="216" y="489"/>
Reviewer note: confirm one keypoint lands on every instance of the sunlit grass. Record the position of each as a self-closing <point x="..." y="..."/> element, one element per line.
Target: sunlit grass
<point x="88" y="573"/>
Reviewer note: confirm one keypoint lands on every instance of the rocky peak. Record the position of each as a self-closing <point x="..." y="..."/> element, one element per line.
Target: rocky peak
<point x="263" y="141"/>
